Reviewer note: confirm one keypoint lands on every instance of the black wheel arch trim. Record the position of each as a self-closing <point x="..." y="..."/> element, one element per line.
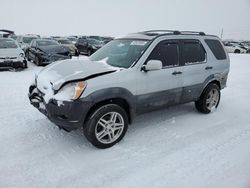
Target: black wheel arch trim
<point x="113" y="93"/>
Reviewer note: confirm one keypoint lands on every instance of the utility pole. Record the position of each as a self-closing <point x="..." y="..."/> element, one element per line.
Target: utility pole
<point x="221" y="34"/>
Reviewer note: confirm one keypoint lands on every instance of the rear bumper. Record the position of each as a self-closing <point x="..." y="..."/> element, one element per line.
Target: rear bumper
<point x="68" y="115"/>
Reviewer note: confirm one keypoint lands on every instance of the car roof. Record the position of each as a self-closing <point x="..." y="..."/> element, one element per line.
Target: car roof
<point x="62" y="38"/>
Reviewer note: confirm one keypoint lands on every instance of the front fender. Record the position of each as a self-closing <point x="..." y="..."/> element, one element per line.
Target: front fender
<point x="113" y="93"/>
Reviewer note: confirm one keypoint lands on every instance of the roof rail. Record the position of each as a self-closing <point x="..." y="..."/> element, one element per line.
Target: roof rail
<point x="193" y="32"/>
<point x="175" y="32"/>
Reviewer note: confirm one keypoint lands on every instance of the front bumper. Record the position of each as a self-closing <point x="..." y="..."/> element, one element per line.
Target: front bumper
<point x="13" y="64"/>
<point x="68" y="115"/>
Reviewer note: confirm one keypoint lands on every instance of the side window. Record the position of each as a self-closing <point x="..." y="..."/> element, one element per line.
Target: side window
<point x="217" y="49"/>
<point x="167" y="52"/>
<point x="192" y="52"/>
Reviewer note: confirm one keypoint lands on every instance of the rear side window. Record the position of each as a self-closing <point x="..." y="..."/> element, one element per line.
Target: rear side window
<point x="217" y="49"/>
<point x="167" y="52"/>
<point x="192" y="52"/>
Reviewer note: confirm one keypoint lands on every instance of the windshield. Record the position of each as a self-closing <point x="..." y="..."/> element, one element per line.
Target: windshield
<point x="121" y="53"/>
<point x="27" y="40"/>
<point x="46" y="42"/>
<point x="64" y="41"/>
<point x="7" y="43"/>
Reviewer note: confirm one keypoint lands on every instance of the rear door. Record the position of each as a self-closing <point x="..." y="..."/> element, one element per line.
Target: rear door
<point x="195" y="68"/>
<point x="159" y="88"/>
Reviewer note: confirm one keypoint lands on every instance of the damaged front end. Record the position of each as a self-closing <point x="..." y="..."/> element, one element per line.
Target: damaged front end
<point x="68" y="115"/>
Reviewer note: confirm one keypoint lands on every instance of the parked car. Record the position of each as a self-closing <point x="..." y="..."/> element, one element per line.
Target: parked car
<point x="25" y="40"/>
<point x="5" y="33"/>
<point x="103" y="40"/>
<point x="69" y="45"/>
<point x="87" y="45"/>
<point x="47" y="38"/>
<point x="232" y="47"/>
<point x="132" y="75"/>
<point x="107" y="39"/>
<point x="13" y="36"/>
<point x="246" y="46"/>
<point x="43" y="52"/>
<point x="11" y="55"/>
<point x="72" y="39"/>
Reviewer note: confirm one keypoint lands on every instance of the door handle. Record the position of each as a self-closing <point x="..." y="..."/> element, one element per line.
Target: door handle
<point x="176" y="72"/>
<point x="209" y="68"/>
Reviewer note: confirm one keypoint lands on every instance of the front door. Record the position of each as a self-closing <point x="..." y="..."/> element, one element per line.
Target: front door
<point x="159" y="88"/>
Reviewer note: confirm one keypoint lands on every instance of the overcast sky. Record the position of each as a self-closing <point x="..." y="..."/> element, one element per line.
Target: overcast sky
<point x="119" y="17"/>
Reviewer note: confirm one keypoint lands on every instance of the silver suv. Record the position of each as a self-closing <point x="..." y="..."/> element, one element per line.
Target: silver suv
<point x="129" y="76"/>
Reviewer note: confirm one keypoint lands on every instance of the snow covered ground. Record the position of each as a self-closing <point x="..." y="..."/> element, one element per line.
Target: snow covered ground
<point x="175" y="148"/>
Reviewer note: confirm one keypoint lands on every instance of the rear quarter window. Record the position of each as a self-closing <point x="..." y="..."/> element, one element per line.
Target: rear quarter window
<point x="217" y="49"/>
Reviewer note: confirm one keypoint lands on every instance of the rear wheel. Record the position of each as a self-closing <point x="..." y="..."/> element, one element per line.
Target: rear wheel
<point x="106" y="126"/>
<point x="209" y="99"/>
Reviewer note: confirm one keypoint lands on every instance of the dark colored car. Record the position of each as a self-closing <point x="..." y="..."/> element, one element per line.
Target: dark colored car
<point x="68" y="45"/>
<point x="43" y="52"/>
<point x="88" y="46"/>
<point x="104" y="40"/>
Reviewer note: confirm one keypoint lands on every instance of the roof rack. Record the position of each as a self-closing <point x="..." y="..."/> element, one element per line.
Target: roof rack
<point x="155" y="32"/>
<point x="174" y="32"/>
<point x="193" y="32"/>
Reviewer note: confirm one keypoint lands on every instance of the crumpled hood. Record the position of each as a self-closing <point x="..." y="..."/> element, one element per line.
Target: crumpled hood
<point x="58" y="73"/>
<point x="53" y="49"/>
<point x="10" y="52"/>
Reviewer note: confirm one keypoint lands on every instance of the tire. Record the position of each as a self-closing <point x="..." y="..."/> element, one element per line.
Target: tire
<point x="37" y="62"/>
<point x="89" y="52"/>
<point x="27" y="55"/>
<point x="209" y="99"/>
<point x="25" y="64"/>
<point x="110" y="131"/>
<point x="237" y="51"/>
<point x="77" y="53"/>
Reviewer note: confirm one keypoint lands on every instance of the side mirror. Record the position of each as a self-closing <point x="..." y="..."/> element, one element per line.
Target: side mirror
<point x="152" y="65"/>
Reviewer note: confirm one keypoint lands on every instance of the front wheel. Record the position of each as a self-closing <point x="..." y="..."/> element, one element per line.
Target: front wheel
<point x="106" y="126"/>
<point x="237" y="51"/>
<point x="89" y="52"/>
<point x="37" y="61"/>
<point x="209" y="99"/>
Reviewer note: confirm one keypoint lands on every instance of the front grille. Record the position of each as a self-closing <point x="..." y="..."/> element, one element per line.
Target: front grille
<point x="64" y="54"/>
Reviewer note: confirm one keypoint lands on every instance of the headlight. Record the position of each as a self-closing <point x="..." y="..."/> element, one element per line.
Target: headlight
<point x="21" y="55"/>
<point x="94" y="47"/>
<point x="71" y="91"/>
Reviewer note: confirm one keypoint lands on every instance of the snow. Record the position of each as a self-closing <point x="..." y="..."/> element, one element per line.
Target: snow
<point x="176" y="147"/>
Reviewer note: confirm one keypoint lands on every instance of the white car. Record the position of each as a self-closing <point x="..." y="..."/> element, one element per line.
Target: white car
<point x="11" y="55"/>
<point x="129" y="76"/>
<point x="25" y="41"/>
<point x="234" y="48"/>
